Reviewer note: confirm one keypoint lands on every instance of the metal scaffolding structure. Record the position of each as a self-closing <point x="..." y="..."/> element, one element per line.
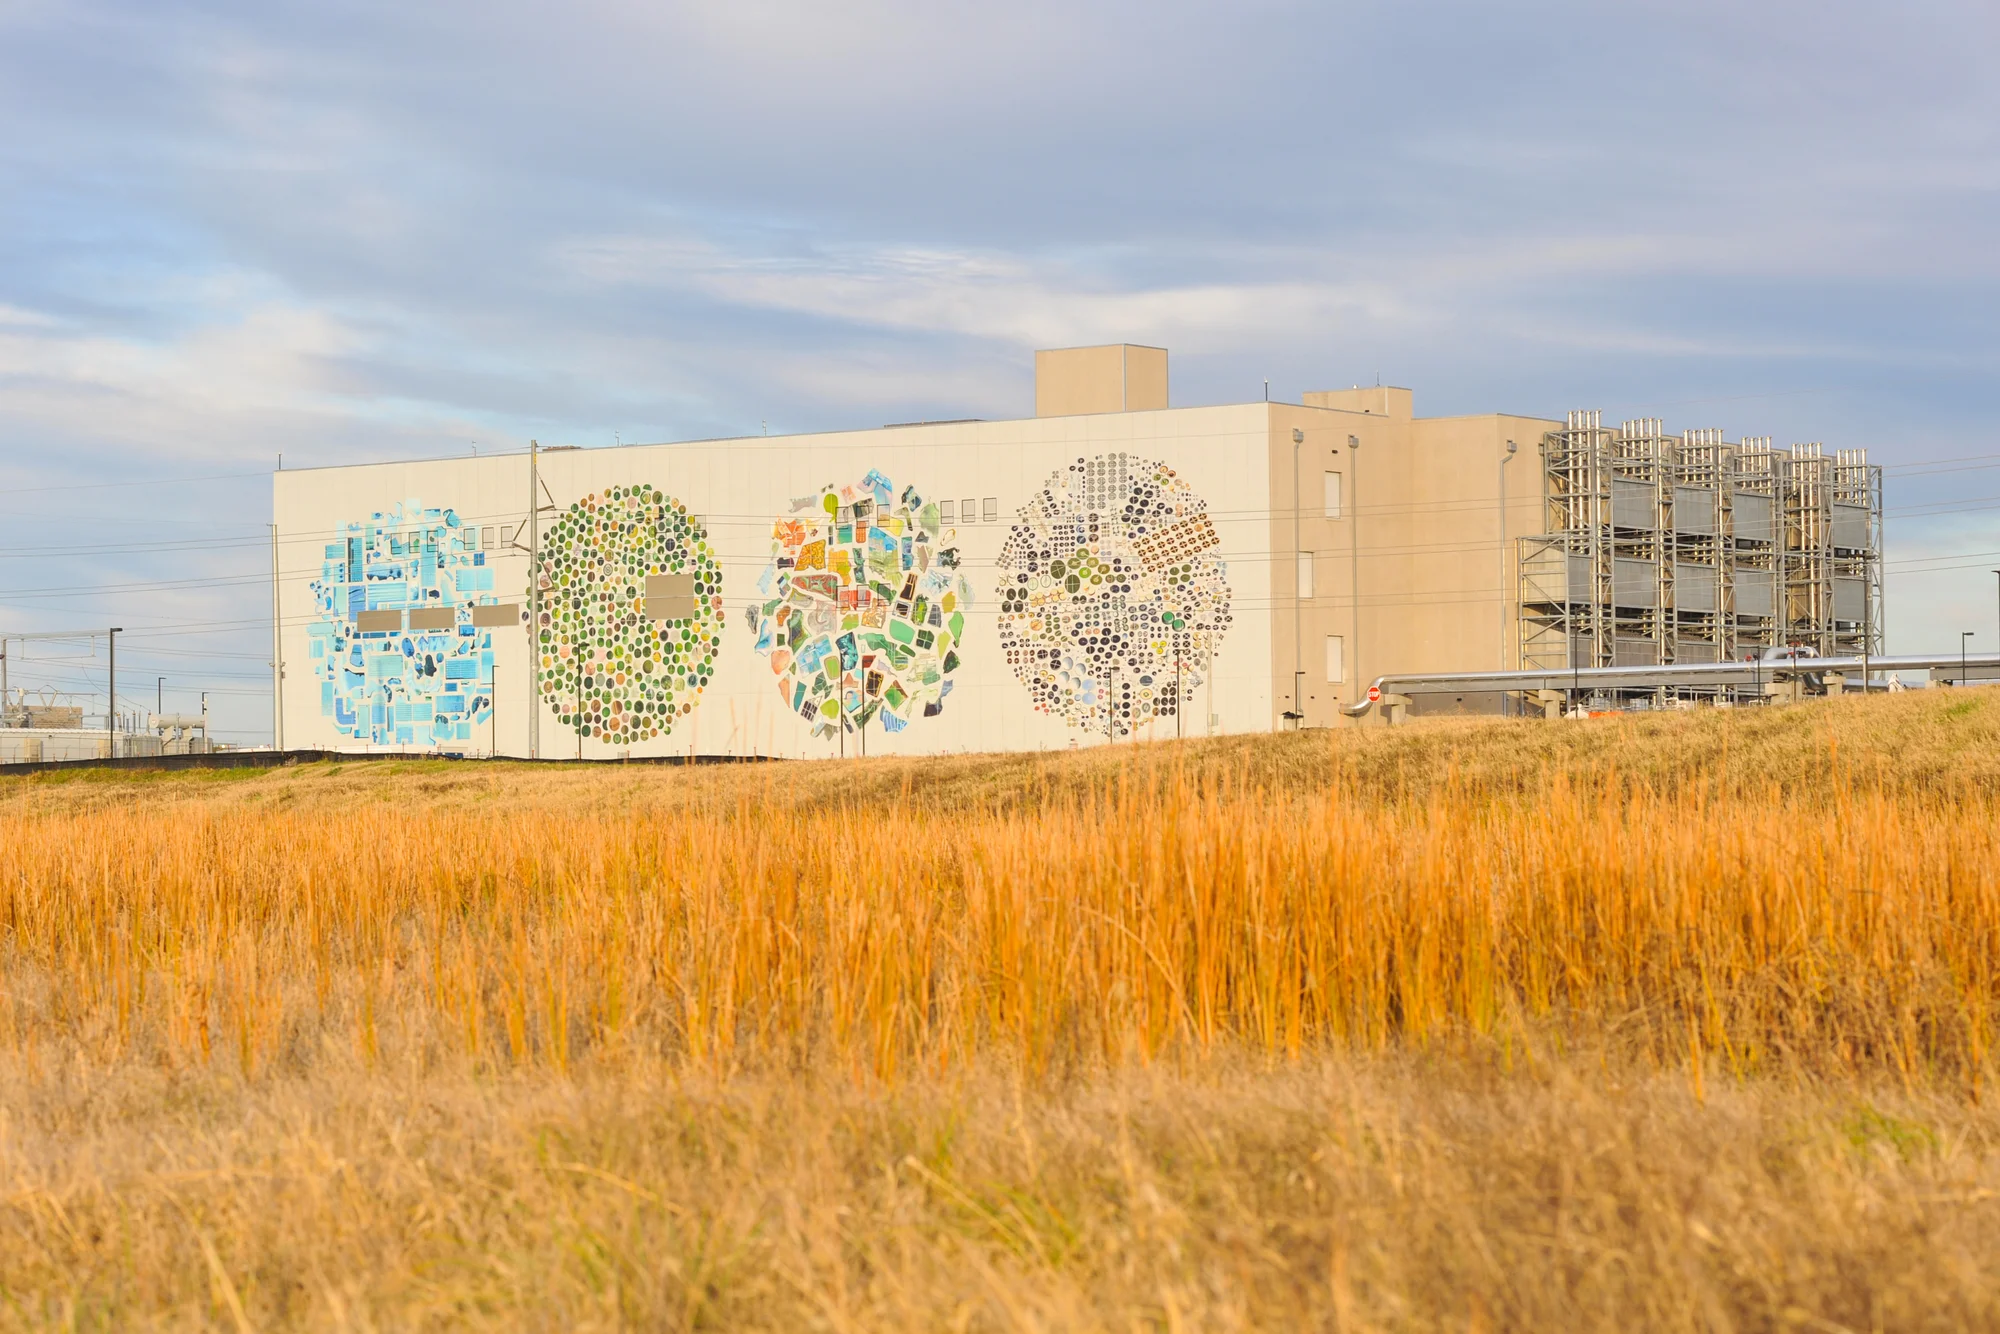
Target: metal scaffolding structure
<point x="1663" y="549"/>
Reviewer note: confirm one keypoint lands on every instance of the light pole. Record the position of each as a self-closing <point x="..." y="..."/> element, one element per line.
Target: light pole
<point x="1352" y="502"/>
<point x="1298" y="584"/>
<point x="1962" y="637"/>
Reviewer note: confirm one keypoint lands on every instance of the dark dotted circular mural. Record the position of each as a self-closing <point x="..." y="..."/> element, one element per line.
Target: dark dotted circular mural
<point x="1112" y="602"/>
<point x="631" y="614"/>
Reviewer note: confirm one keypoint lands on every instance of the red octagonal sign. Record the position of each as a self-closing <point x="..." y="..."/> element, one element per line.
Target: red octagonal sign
<point x="1374" y="693"/>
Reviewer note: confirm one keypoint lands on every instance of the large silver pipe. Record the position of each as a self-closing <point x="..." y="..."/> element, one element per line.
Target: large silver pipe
<point x="1753" y="673"/>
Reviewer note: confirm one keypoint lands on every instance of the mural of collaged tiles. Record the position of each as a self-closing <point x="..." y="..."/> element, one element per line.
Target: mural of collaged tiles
<point x="861" y="612"/>
<point x="631" y="614"/>
<point x="1113" y="603"/>
<point x="398" y="659"/>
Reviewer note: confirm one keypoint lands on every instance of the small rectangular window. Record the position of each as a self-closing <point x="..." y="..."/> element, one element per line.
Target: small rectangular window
<point x="944" y="512"/>
<point x="1333" y="495"/>
<point x="1336" y="660"/>
<point x="989" y="509"/>
<point x="966" y="509"/>
<point x="1305" y="574"/>
<point x="486" y="538"/>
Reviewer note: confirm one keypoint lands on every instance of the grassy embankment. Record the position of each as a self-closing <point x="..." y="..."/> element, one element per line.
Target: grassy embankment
<point x="1676" y="1022"/>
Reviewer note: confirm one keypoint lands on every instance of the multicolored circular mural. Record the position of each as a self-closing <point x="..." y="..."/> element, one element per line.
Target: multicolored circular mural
<point x="631" y="614"/>
<point x="862" y="608"/>
<point x="1112" y="602"/>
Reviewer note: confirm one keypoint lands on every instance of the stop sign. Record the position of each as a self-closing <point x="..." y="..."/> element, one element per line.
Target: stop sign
<point x="1374" y="693"/>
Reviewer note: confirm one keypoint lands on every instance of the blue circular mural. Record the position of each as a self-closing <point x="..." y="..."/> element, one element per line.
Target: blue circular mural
<point x="397" y="657"/>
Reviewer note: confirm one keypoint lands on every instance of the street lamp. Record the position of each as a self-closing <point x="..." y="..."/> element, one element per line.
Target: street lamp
<point x="1507" y="595"/>
<point x="1299" y="566"/>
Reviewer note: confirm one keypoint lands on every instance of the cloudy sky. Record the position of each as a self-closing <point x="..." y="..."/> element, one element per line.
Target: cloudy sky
<point x="344" y="232"/>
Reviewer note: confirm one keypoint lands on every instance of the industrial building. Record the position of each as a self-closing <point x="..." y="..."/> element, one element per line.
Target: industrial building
<point x="1689" y="548"/>
<point x="43" y="726"/>
<point x="1110" y="568"/>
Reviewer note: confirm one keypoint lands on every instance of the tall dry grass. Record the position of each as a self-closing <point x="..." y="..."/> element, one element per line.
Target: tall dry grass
<point x="218" y="996"/>
<point x="1153" y="917"/>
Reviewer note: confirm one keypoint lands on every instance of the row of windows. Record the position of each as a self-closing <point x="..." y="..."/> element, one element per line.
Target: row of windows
<point x="970" y="511"/>
<point x="1305" y="558"/>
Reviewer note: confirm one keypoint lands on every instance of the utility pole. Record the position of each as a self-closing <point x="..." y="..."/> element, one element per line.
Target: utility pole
<point x="111" y="706"/>
<point x="534" y="596"/>
<point x="1208" y="685"/>
<point x="277" y="651"/>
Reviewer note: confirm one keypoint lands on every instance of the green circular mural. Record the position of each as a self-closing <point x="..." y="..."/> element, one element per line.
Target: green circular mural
<point x="631" y="613"/>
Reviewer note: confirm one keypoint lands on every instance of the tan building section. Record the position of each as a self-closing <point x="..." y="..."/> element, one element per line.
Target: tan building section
<point x="1408" y="554"/>
<point x="1117" y="377"/>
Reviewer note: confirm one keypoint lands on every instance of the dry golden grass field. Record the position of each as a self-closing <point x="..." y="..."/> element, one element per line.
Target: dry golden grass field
<point x="1682" y="1022"/>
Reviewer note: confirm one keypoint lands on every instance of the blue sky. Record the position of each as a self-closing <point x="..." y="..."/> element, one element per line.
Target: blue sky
<point x="356" y="231"/>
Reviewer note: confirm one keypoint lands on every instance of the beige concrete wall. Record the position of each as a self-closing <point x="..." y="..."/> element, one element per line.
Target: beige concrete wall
<point x="1349" y="576"/>
<point x="1116" y="377"/>
<point x="1145" y="378"/>
<point x="739" y="487"/>
<point x="1415" y="573"/>
<point x="1458" y="575"/>
<point x="1419" y="572"/>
